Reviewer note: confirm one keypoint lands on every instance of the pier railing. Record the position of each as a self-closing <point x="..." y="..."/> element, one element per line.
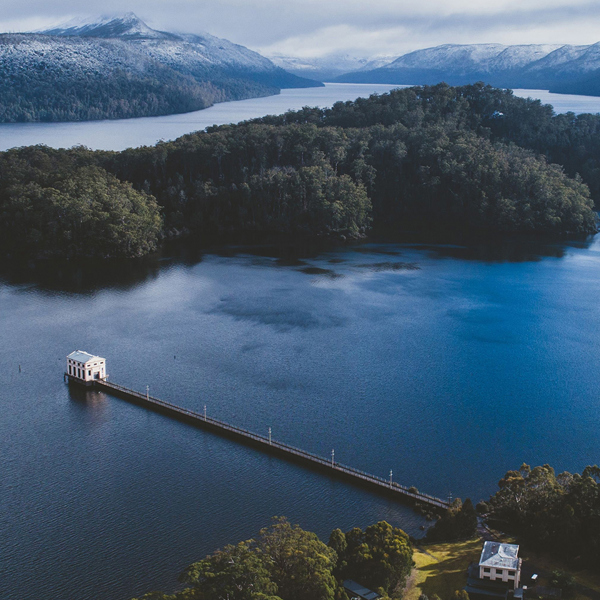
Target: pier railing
<point x="270" y="445"/>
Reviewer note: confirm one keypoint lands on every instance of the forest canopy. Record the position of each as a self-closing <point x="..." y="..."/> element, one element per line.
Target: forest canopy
<point x="552" y="513"/>
<point x="83" y="212"/>
<point x="473" y="158"/>
<point x="285" y="562"/>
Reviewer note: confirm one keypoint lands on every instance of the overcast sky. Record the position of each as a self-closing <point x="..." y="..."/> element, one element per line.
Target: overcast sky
<point x="311" y="28"/>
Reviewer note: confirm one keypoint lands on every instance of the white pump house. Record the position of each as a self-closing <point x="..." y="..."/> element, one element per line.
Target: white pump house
<point x="85" y="368"/>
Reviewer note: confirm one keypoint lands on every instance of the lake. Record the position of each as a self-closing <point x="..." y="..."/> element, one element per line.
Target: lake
<point x="126" y="133"/>
<point x="449" y="364"/>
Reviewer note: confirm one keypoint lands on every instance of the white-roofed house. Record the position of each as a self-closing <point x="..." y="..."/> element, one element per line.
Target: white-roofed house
<point x="500" y="562"/>
<point x="85" y="368"/>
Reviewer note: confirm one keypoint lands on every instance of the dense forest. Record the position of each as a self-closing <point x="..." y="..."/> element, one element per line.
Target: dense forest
<point x="552" y="513"/>
<point x="118" y="94"/>
<point x="285" y="562"/>
<point x="471" y="158"/>
<point x="588" y="85"/>
<point x="459" y="522"/>
<point x="55" y="207"/>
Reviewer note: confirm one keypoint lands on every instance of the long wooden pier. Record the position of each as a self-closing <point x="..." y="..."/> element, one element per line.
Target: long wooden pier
<point x="271" y="446"/>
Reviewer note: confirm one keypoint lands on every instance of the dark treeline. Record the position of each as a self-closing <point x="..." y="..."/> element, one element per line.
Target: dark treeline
<point x="552" y="513"/>
<point x="55" y="203"/>
<point x="474" y="158"/>
<point x="459" y="522"/>
<point x="119" y="94"/>
<point x="285" y="562"/>
<point x="572" y="141"/>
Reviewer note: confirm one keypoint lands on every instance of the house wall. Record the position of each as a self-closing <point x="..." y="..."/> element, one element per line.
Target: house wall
<point x="497" y="574"/>
<point x="87" y="371"/>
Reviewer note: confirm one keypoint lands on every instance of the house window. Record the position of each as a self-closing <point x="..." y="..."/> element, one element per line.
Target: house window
<point x="486" y="569"/>
<point x="499" y="572"/>
<point x="89" y="373"/>
<point x="70" y="370"/>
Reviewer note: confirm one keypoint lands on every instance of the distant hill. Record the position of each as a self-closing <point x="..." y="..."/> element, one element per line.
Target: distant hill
<point x="566" y="69"/>
<point x="117" y="67"/>
<point x="327" y="68"/>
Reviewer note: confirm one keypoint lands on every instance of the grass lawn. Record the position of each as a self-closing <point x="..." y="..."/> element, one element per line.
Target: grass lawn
<point x="441" y="568"/>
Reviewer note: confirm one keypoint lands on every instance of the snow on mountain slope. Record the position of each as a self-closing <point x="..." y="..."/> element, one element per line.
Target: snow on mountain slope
<point x="186" y="50"/>
<point x="124" y="26"/>
<point x="331" y="65"/>
<point x="479" y="57"/>
<point x="571" y="60"/>
<point x="558" y="58"/>
<point x="117" y="67"/>
<point x="75" y="56"/>
<point x="224" y="52"/>
<point x="172" y="47"/>
<point x="544" y="66"/>
<point x="517" y="57"/>
<point x="448" y="56"/>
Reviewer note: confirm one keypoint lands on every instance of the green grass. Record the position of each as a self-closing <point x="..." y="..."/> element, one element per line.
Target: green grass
<point x="441" y="568"/>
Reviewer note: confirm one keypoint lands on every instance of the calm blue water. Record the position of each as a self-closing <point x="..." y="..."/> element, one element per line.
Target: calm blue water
<point x="563" y="103"/>
<point x="126" y="133"/>
<point x="448" y="364"/>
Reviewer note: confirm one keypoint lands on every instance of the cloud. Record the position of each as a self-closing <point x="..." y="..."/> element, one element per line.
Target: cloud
<point x="397" y="34"/>
<point x="316" y="27"/>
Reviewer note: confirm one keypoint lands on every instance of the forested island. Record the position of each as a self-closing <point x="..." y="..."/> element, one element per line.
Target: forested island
<point x="471" y="158"/>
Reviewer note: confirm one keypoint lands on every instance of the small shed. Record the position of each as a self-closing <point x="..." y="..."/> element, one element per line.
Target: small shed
<point x="85" y="368"/>
<point x="356" y="591"/>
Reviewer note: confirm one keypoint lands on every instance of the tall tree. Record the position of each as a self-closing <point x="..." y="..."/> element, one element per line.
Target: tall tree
<point x="380" y="557"/>
<point x="298" y="562"/>
<point x="234" y="573"/>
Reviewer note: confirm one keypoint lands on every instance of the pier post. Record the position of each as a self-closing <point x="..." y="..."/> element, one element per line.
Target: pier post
<point x="390" y="478"/>
<point x="269" y="436"/>
<point x="205" y="412"/>
<point x="148" y="392"/>
<point x="333" y="458"/>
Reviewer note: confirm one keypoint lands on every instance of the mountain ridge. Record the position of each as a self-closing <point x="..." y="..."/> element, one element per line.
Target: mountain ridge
<point x="127" y="25"/>
<point x="545" y="66"/>
<point x="118" y="67"/>
<point x="327" y="67"/>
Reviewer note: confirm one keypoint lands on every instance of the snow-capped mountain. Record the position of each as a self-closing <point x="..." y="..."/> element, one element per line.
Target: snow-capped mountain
<point x="127" y="26"/>
<point x="544" y="66"/>
<point x="327" y="67"/>
<point x="461" y="58"/>
<point x="176" y="48"/>
<point x="119" y="67"/>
